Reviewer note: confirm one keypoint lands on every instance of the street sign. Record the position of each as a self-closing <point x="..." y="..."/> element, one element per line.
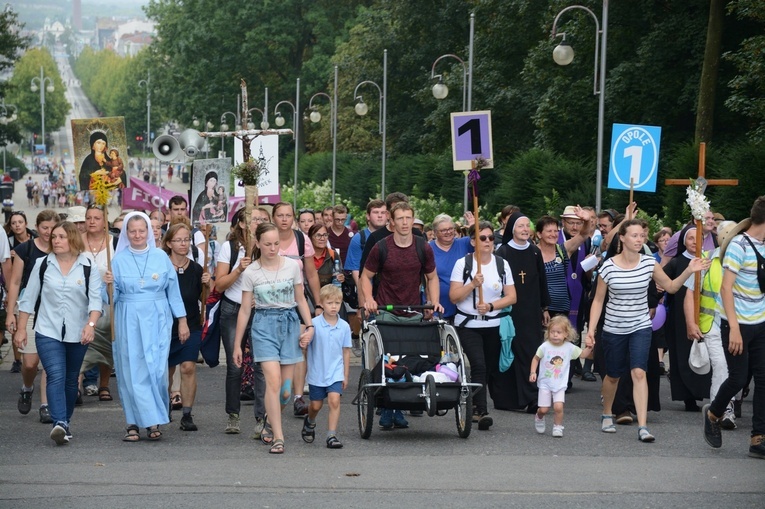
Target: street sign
<point x="634" y="156"/>
<point x="471" y="138"/>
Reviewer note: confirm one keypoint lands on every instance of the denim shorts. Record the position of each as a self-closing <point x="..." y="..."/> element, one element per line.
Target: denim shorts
<point x="276" y="336"/>
<point x="317" y="393"/>
<point x="624" y="352"/>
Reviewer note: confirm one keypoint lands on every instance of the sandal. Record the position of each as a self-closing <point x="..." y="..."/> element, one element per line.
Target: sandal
<point x="644" y="435"/>
<point x="153" y="433"/>
<point x="267" y="435"/>
<point x="334" y="443"/>
<point x="607" y="424"/>
<point x="104" y="394"/>
<point x="131" y="434"/>
<point x="309" y="431"/>
<point x="277" y="447"/>
<point x="175" y="402"/>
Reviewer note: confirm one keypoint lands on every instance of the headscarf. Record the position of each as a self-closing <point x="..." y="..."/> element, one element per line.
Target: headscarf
<point x="681" y="249"/>
<point x="124" y="242"/>
<point x="510" y="226"/>
<point x="97" y="136"/>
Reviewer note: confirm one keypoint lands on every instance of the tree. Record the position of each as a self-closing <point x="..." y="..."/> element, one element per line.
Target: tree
<point x="30" y="108"/>
<point x="11" y="46"/>
<point x="706" y="105"/>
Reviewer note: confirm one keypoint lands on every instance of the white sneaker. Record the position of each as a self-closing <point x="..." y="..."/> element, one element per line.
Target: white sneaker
<point x="539" y="424"/>
<point x="58" y="434"/>
<point x="557" y="431"/>
<point x="728" y="420"/>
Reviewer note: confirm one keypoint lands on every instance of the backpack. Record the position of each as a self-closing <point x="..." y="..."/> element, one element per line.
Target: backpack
<point x="382" y="254"/>
<point x="467" y="274"/>
<point x="43" y="268"/>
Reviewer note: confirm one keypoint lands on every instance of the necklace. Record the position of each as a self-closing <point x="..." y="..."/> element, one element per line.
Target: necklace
<point x="180" y="268"/>
<point x="99" y="248"/>
<point x="141" y="281"/>
<point x="272" y="283"/>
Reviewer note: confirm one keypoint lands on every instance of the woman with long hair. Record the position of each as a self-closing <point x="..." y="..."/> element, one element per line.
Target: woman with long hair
<point x="27" y="254"/>
<point x="18" y="233"/>
<point x="626" y="333"/>
<point x="65" y="319"/>
<point x="274" y="283"/>
<point x="323" y="256"/>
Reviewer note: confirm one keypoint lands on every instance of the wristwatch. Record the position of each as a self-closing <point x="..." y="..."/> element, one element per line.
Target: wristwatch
<point x="91" y="324"/>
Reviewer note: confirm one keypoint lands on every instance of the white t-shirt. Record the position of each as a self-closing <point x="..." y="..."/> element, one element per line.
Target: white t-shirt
<point x="492" y="291"/>
<point x="554" y="363"/>
<point x="627" y="306"/>
<point x="233" y="292"/>
<point x="273" y="289"/>
<point x="5" y="248"/>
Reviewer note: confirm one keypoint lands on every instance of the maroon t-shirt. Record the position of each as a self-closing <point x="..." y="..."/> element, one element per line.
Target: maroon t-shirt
<point x="400" y="276"/>
<point x="341" y="241"/>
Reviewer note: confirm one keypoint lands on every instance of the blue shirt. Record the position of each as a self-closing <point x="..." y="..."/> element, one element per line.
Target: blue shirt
<point x="64" y="306"/>
<point x="325" y="352"/>
<point x="445" y="261"/>
<point x="353" y="258"/>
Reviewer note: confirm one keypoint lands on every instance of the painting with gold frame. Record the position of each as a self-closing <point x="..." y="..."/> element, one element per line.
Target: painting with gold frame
<point x="100" y="143"/>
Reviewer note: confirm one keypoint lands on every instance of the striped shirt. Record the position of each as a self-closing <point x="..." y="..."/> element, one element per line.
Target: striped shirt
<point x="627" y="307"/>
<point x="747" y="297"/>
<point x="555" y="271"/>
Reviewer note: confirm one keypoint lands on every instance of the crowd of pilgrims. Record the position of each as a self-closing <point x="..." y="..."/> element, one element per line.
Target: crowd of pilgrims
<point x="589" y="293"/>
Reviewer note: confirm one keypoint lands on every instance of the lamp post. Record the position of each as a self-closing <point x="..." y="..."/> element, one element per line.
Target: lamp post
<point x="208" y="127"/>
<point x="40" y="83"/>
<point x="315" y="117"/>
<point x="361" y="109"/>
<point x="224" y="127"/>
<point x="563" y="54"/>
<point x="147" y="83"/>
<point x="247" y="122"/>
<point x="279" y="121"/>
<point x="440" y="90"/>
<point x="5" y="120"/>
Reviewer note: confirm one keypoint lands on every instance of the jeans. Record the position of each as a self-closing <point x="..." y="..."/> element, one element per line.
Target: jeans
<point x="752" y="357"/>
<point x="61" y="362"/>
<point x="229" y="311"/>
<point x="482" y="347"/>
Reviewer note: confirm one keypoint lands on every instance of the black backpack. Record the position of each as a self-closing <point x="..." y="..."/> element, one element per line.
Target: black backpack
<point x="43" y="268"/>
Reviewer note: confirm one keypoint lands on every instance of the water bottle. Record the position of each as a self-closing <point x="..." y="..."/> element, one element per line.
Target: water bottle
<point x="337" y="269"/>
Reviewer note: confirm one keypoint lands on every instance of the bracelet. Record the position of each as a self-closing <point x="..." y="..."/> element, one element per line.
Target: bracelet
<point x="309" y="327"/>
<point x="491" y="306"/>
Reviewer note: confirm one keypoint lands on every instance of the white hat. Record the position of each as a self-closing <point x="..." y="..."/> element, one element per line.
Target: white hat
<point x="698" y="360"/>
<point x="76" y="214"/>
<point x="569" y="213"/>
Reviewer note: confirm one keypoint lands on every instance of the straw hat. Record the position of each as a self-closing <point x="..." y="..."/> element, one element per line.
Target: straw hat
<point x="569" y="213"/>
<point x="726" y="235"/>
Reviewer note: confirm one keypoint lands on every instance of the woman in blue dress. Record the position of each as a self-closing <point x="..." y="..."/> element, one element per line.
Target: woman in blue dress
<point x="146" y="298"/>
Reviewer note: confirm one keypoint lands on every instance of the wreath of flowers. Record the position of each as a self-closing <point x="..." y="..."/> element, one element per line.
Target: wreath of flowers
<point x="698" y="203"/>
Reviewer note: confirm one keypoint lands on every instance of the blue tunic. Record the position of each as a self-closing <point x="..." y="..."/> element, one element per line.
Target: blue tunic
<point x="143" y="319"/>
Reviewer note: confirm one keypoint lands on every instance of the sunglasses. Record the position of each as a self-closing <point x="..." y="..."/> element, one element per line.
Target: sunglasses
<point x="95" y="206"/>
<point x="306" y="211"/>
<point x="484" y="238"/>
<point x="19" y="213"/>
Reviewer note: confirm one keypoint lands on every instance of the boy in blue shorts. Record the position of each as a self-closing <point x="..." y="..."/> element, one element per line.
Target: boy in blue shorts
<point x="329" y="357"/>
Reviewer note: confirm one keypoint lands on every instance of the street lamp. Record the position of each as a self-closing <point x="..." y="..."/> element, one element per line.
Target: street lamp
<point x="361" y="109"/>
<point x="279" y="121"/>
<point x="246" y="121"/>
<point x="147" y="83"/>
<point x="208" y="127"/>
<point x="5" y="120"/>
<point x="40" y="83"/>
<point x="315" y="117"/>
<point x="224" y="127"/>
<point x="440" y="90"/>
<point x="563" y="54"/>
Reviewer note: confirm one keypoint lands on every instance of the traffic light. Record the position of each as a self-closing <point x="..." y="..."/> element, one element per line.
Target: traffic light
<point x="139" y="137"/>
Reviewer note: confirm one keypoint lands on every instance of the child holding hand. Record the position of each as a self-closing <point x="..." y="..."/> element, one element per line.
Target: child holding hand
<point x="329" y="357"/>
<point x="556" y="352"/>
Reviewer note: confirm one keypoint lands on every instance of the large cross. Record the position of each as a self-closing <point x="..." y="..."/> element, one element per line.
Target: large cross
<point x="703" y="185"/>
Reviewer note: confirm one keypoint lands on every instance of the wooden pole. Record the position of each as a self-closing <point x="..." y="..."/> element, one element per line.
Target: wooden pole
<point x="476" y="231"/>
<point x="699" y="242"/>
<point x="205" y="288"/>
<point x="110" y="286"/>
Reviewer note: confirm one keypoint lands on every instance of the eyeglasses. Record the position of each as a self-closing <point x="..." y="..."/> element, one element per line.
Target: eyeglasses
<point x="573" y="222"/>
<point x="181" y="241"/>
<point x="446" y="231"/>
<point x="321" y="235"/>
<point x="484" y="238"/>
<point x="259" y="219"/>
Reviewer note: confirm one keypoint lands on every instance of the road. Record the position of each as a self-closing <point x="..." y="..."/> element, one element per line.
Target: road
<point x="424" y="466"/>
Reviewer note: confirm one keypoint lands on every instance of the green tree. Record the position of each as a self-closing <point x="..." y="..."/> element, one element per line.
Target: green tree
<point x="12" y="44"/>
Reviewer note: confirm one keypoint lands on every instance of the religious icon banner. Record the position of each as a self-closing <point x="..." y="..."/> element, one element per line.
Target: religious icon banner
<point x="210" y="190"/>
<point x="100" y="144"/>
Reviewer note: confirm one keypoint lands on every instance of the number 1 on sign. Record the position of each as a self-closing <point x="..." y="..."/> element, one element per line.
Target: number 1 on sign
<point x="635" y="153"/>
<point x="474" y="128"/>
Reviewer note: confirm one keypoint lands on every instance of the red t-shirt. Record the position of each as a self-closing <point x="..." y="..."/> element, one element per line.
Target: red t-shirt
<point x="341" y="241"/>
<point x="400" y="275"/>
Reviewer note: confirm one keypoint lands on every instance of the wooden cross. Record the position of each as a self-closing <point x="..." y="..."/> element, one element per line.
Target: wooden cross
<point x="523" y="277"/>
<point x="699" y="239"/>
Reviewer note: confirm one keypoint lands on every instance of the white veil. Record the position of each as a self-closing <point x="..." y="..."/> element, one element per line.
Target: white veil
<point x="123" y="242"/>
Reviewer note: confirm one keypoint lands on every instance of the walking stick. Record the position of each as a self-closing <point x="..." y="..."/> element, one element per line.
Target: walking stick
<point x="206" y="288"/>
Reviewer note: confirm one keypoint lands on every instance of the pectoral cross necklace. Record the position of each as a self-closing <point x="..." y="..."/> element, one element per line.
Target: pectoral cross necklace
<point x="523" y="277"/>
<point x="143" y="272"/>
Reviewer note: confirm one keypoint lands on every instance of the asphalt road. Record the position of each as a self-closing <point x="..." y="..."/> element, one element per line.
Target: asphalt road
<point x="425" y="465"/>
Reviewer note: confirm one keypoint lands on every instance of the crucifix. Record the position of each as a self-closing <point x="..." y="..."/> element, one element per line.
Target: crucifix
<point x="523" y="277"/>
<point x="702" y="184"/>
